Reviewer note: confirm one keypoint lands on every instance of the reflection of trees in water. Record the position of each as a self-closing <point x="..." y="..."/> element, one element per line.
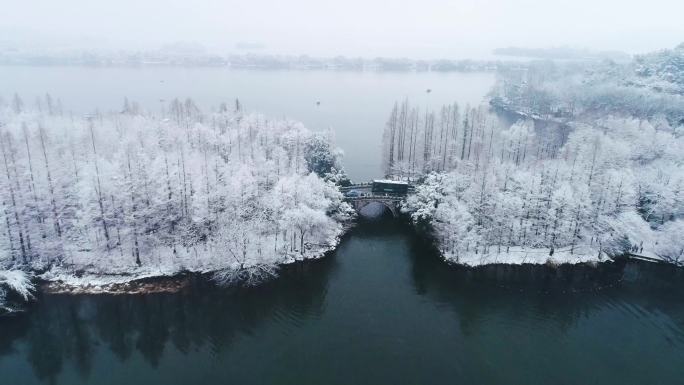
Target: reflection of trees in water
<point x="12" y="328"/>
<point x="56" y="334"/>
<point x="657" y="289"/>
<point x="61" y="329"/>
<point x="563" y="294"/>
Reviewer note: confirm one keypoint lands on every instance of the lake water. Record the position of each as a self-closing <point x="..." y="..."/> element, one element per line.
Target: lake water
<point x="355" y="105"/>
<point x="381" y="310"/>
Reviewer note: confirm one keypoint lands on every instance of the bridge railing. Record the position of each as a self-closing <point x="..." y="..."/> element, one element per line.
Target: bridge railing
<point x="356" y="186"/>
<point x="375" y="198"/>
<point x="365" y="185"/>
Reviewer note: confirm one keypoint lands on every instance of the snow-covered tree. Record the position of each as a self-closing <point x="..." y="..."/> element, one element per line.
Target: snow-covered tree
<point x="14" y="283"/>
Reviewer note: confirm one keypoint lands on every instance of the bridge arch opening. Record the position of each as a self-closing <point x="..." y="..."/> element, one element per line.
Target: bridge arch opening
<point x="376" y="210"/>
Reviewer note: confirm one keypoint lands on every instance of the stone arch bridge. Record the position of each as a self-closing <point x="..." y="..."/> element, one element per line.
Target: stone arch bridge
<point x="362" y="195"/>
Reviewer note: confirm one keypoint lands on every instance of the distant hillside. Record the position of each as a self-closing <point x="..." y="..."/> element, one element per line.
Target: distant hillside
<point x="651" y="86"/>
<point x="562" y="53"/>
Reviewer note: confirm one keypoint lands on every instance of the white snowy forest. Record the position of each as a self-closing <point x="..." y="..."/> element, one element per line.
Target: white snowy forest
<point x="572" y="162"/>
<point x="127" y="194"/>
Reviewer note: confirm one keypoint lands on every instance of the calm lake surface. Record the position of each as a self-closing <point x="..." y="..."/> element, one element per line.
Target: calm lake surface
<point x="380" y="310"/>
<point x="355" y="105"/>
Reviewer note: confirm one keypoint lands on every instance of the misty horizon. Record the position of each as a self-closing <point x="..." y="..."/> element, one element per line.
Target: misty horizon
<point x="429" y="30"/>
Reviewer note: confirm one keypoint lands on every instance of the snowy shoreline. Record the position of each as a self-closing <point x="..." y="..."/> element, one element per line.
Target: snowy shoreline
<point x="146" y="281"/>
<point x="515" y="255"/>
<point x="528" y="256"/>
<point x="136" y="283"/>
<point x="171" y="282"/>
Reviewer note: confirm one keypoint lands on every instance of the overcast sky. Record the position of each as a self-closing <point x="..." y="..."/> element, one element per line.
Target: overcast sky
<point x="419" y="28"/>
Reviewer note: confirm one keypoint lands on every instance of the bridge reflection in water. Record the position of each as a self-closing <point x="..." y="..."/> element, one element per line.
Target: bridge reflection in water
<point x="372" y="198"/>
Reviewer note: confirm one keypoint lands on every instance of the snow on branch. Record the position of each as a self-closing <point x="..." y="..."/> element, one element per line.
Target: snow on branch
<point x="14" y="283"/>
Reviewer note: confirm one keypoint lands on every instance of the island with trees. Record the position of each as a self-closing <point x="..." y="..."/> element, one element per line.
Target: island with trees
<point x="97" y="200"/>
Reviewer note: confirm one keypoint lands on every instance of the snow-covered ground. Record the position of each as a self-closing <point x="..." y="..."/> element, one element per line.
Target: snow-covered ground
<point x="160" y="263"/>
<point x="519" y="255"/>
